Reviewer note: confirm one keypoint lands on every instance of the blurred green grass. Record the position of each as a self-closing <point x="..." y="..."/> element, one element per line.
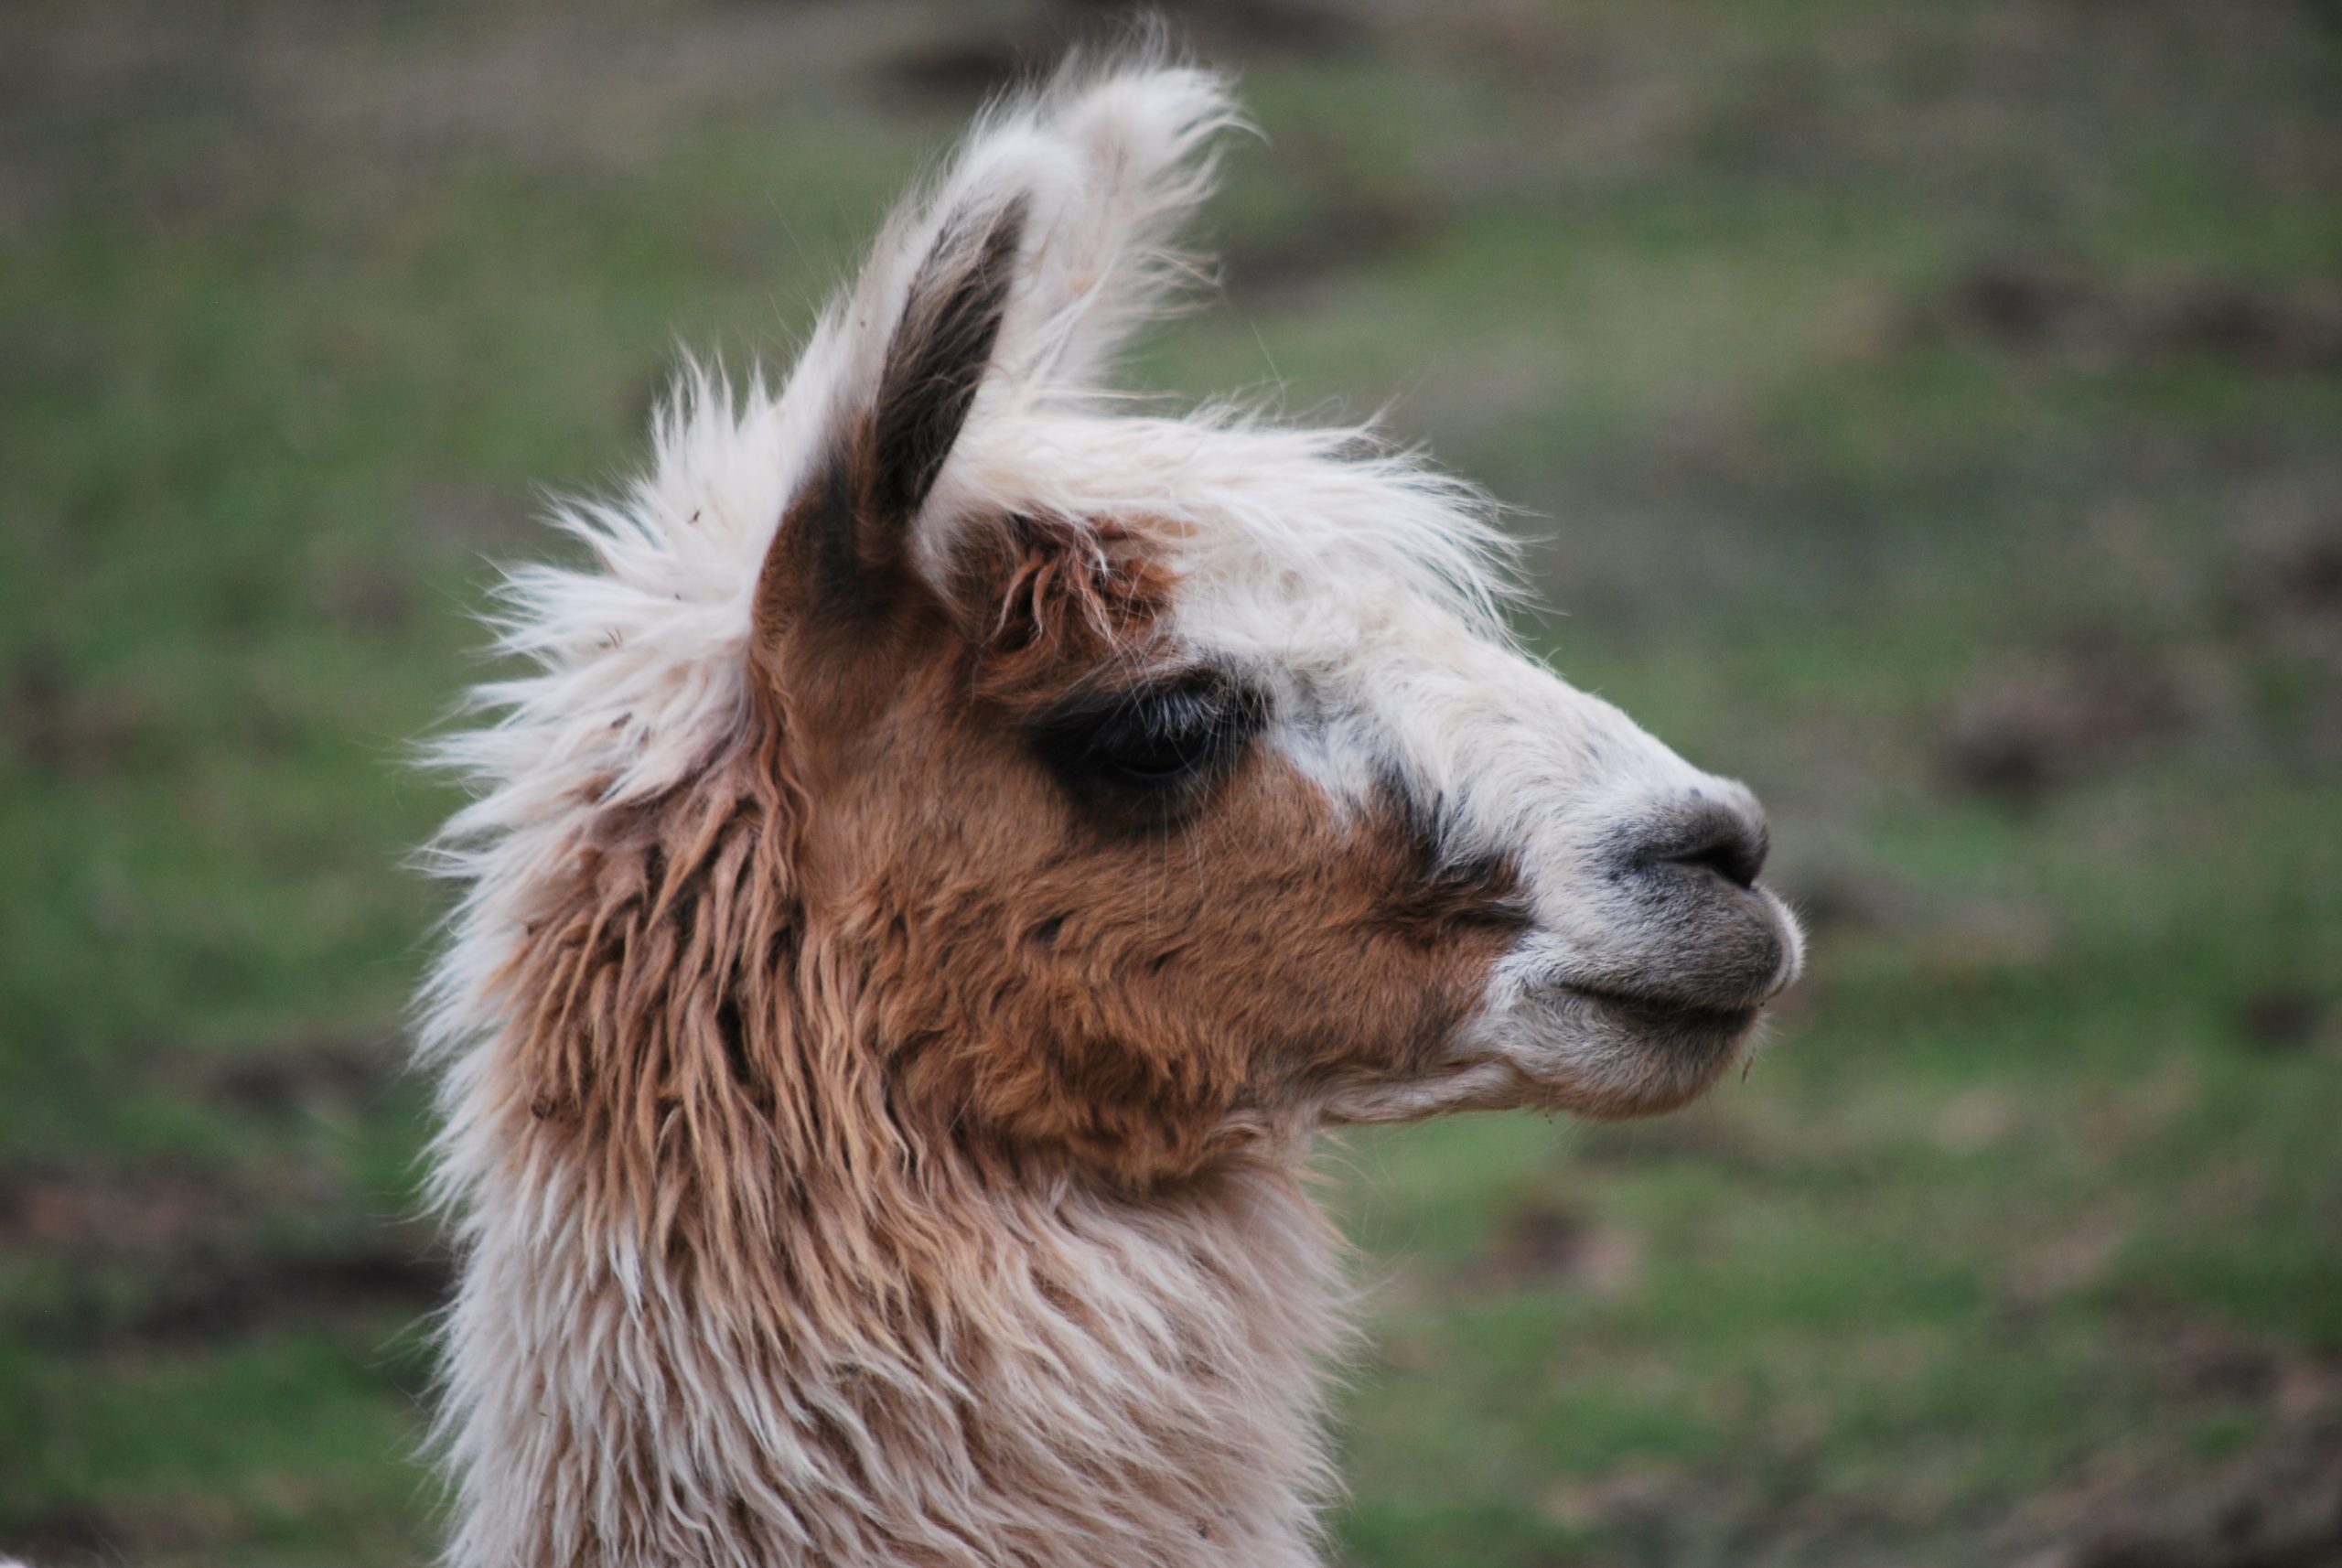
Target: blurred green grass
<point x="1929" y="413"/>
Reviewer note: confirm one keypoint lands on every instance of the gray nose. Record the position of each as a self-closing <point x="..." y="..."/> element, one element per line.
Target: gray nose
<point x="1726" y="836"/>
<point x="1709" y="936"/>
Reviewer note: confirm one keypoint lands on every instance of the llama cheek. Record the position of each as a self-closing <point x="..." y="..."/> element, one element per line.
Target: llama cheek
<point x="1027" y="1046"/>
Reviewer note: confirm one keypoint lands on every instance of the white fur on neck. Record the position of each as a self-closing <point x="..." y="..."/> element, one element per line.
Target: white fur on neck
<point x="1145" y="1375"/>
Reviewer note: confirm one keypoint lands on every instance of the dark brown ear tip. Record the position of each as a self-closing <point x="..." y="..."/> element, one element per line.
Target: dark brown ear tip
<point x="842" y="542"/>
<point x="938" y="354"/>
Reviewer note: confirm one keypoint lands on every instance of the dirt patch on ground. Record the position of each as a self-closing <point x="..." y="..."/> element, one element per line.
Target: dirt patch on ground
<point x="398" y="1274"/>
<point x="1699" y="1135"/>
<point x="2283" y="1019"/>
<point x="179" y="1252"/>
<point x="1345" y="233"/>
<point x="2283" y="603"/>
<point x="2276" y="1504"/>
<point x="2278" y="1507"/>
<point x="60" y="729"/>
<point x="187" y="1527"/>
<point x="1545" y="1242"/>
<point x="2295" y="571"/>
<point x="171" y="1208"/>
<point x="2071" y="311"/>
<point x="327" y="1075"/>
<point x="2017" y="736"/>
<point x="156" y="1211"/>
<point x="183" y="1292"/>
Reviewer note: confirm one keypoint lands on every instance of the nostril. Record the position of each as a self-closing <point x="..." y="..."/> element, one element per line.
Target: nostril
<point x="1737" y="861"/>
<point x="1731" y="844"/>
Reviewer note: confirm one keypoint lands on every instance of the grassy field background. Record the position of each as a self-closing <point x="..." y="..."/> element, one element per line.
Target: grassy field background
<point x="1931" y="414"/>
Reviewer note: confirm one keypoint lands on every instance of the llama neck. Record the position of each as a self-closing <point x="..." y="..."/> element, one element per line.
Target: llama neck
<point x="723" y="1306"/>
<point x="1092" y="1379"/>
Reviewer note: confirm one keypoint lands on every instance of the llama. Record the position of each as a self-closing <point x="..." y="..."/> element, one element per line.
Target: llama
<point x="949" y="856"/>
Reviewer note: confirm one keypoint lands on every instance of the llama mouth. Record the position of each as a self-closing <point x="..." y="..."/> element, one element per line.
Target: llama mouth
<point x="1688" y="1028"/>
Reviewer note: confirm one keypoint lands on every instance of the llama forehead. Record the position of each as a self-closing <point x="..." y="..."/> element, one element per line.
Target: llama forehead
<point x="1313" y="516"/>
<point x="1360" y="588"/>
<point x="1302" y="547"/>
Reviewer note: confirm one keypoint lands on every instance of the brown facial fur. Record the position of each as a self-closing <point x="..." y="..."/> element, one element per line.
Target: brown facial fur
<point x="1141" y="995"/>
<point x="856" y="933"/>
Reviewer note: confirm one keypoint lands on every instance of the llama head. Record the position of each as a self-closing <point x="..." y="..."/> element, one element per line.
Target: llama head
<point x="1176" y="778"/>
<point x="1131" y="789"/>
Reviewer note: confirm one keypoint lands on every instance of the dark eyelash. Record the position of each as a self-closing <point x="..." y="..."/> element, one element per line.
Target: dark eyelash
<point x="1165" y="734"/>
<point x="1147" y="740"/>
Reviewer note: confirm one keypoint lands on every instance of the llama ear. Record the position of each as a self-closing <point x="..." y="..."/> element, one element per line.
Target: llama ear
<point x="1120" y="156"/>
<point x="936" y="359"/>
<point x="846" y="540"/>
<point x="1044" y="245"/>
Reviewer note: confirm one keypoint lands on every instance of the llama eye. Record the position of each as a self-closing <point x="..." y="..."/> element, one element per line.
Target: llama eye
<point x="1161" y="738"/>
<point x="1152" y="740"/>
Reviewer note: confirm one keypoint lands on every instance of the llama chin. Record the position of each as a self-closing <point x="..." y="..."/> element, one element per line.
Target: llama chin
<point x="942" y="867"/>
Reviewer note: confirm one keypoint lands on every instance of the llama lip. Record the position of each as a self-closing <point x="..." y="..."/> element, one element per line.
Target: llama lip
<point x="1679" y="1026"/>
